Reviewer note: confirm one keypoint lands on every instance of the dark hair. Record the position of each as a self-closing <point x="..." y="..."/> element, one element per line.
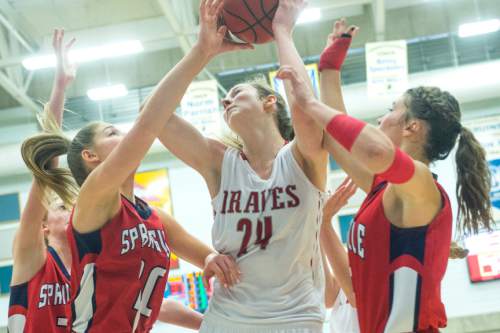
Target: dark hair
<point x="441" y="111"/>
<point x="38" y="152"/>
<point x="282" y="118"/>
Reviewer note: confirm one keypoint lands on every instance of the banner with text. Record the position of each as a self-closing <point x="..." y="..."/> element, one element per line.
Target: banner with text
<point x="386" y="68"/>
<point x="200" y="106"/>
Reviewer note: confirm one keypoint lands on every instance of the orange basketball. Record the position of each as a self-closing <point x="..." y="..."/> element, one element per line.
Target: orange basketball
<point x="250" y="20"/>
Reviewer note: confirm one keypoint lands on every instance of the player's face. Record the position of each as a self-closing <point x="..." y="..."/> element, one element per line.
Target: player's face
<point x="107" y="137"/>
<point x="393" y="122"/>
<point x="57" y="219"/>
<point x="241" y="105"/>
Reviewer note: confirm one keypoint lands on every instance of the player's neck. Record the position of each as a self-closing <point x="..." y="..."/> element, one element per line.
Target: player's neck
<point x="61" y="246"/>
<point x="262" y="146"/>
<point x="416" y="152"/>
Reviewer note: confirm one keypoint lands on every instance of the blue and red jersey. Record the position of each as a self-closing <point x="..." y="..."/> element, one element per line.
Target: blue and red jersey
<point x="397" y="272"/>
<point x="39" y="305"/>
<point x="119" y="272"/>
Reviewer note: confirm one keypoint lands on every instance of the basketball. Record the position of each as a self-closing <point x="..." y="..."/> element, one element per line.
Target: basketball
<point x="250" y="20"/>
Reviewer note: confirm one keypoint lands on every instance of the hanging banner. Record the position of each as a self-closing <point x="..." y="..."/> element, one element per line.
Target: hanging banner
<point x="386" y="68"/>
<point x="200" y="106"/>
<point x="487" y="132"/>
<point x="278" y="85"/>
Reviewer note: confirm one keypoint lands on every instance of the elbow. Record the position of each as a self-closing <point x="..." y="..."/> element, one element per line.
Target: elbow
<point x="380" y="155"/>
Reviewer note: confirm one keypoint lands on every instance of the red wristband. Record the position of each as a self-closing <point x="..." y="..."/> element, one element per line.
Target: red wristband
<point x="401" y="169"/>
<point x="345" y="129"/>
<point x="333" y="57"/>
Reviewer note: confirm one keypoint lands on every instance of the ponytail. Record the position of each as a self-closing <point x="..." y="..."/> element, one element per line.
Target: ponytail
<point x="457" y="252"/>
<point x="473" y="185"/>
<point x="40" y="151"/>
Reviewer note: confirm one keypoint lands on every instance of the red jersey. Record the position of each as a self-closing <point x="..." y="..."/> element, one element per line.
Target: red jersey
<point x="396" y="272"/>
<point x="119" y="272"/>
<point x="39" y="305"/>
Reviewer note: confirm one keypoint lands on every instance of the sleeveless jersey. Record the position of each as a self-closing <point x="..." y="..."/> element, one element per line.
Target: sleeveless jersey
<point x="396" y="272"/>
<point x="119" y="272"/>
<point x="271" y="227"/>
<point x="39" y="305"/>
<point x="344" y="318"/>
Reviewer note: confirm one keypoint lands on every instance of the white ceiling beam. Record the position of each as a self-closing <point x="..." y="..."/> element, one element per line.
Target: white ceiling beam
<point x="18" y="93"/>
<point x="5" y="22"/>
<point x="378" y="8"/>
<point x="12" y="81"/>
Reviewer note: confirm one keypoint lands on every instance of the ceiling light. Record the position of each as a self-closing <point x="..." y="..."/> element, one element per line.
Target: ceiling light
<point x="107" y="92"/>
<point x="309" y="15"/>
<point x="86" y="54"/>
<point x="478" y="28"/>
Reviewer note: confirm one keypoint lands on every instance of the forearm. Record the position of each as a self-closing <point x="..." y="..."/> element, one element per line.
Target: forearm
<point x="337" y="257"/>
<point x="331" y="89"/>
<point x="175" y="313"/>
<point x="366" y="144"/>
<point x="186" y="246"/>
<point x="309" y="134"/>
<point x="331" y="287"/>
<point x="56" y="102"/>
<point x="107" y="177"/>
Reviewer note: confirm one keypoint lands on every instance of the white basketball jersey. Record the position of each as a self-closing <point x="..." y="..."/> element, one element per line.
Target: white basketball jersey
<point x="344" y="318"/>
<point x="271" y="227"/>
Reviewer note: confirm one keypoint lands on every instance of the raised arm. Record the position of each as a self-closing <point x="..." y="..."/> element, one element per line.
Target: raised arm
<point x="331" y="61"/>
<point x="103" y="183"/>
<point x="308" y="135"/>
<point x="332" y="248"/>
<point x="180" y="137"/>
<point x="29" y="246"/>
<point x="370" y="147"/>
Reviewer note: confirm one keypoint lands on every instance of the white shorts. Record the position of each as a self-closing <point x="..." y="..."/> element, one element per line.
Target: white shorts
<point x="216" y="325"/>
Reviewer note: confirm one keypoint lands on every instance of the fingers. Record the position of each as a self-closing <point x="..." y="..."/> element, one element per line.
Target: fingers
<point x="214" y="7"/>
<point x="354" y="31"/>
<point x="219" y="273"/>
<point x="233" y="269"/>
<point x="206" y="280"/>
<point x="57" y="38"/>
<point x="225" y="269"/>
<point x="70" y="44"/>
<point x="287" y="73"/>
<point x="226" y="272"/>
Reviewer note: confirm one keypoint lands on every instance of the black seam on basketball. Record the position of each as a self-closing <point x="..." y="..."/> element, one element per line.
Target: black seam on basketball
<point x="269" y="15"/>
<point x="249" y="26"/>
<point x="258" y="20"/>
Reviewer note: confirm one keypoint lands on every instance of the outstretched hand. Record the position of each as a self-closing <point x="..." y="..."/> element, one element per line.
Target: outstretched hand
<point x="286" y="15"/>
<point x="214" y="39"/>
<point x="340" y="28"/>
<point x="223" y="267"/>
<point x="301" y="91"/>
<point x="339" y="199"/>
<point x="65" y="70"/>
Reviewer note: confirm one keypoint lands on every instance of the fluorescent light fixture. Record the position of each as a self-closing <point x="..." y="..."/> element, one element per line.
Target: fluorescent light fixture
<point x="107" y="92"/>
<point x="309" y="15"/>
<point x="87" y="54"/>
<point x="478" y="28"/>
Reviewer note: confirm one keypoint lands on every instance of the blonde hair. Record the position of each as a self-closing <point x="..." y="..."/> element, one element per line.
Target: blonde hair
<point x="40" y="150"/>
